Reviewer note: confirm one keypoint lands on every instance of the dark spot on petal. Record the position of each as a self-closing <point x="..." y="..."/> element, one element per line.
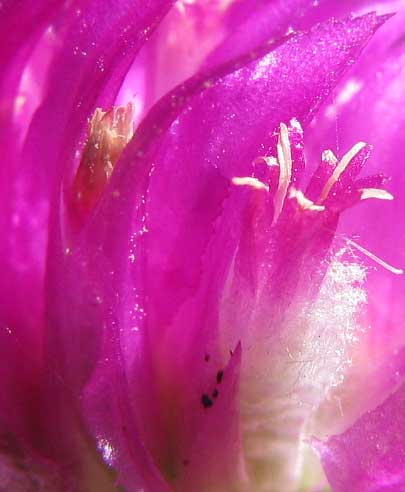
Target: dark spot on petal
<point x="231" y="352"/>
<point x="206" y="401"/>
<point x="186" y="462"/>
<point x="215" y="393"/>
<point x="220" y="375"/>
<point x="207" y="358"/>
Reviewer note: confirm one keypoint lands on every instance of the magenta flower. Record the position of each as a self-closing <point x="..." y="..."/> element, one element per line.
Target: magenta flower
<point x="193" y="296"/>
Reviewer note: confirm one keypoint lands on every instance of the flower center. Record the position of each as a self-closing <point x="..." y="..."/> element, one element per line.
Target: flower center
<point x="333" y="178"/>
<point x="298" y="320"/>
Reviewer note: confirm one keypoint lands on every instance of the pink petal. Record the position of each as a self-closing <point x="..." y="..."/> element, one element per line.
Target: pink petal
<point x="31" y="179"/>
<point x="254" y="23"/>
<point x="175" y="51"/>
<point x="370" y="455"/>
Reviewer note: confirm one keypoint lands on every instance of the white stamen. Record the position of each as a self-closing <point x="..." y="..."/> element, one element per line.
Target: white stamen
<point x="372" y="256"/>
<point x="305" y="203"/>
<point x="248" y="181"/>
<point x="285" y="163"/>
<point x="329" y="157"/>
<point x="367" y="193"/>
<point x="344" y="162"/>
<point x="270" y="161"/>
<point x="294" y="123"/>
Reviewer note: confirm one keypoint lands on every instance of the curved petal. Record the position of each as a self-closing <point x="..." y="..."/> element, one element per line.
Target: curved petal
<point x="253" y="23"/>
<point x="23" y="235"/>
<point x="370" y="455"/>
<point x="201" y="34"/>
<point x="96" y="44"/>
<point x="176" y="50"/>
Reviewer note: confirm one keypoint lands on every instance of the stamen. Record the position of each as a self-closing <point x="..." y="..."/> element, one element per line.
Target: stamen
<point x="270" y="161"/>
<point x="328" y="174"/>
<point x="285" y="163"/>
<point x="329" y="156"/>
<point x="252" y="182"/>
<point x="340" y="168"/>
<point x="109" y="133"/>
<point x="372" y="256"/>
<point x="305" y="203"/>
<point x="377" y="193"/>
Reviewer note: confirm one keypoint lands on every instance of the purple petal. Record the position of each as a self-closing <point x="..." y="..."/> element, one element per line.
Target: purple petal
<point x="370" y="455"/>
<point x="209" y="469"/>
<point x="175" y="51"/>
<point x="254" y="23"/>
<point x="26" y="182"/>
<point x="22" y="245"/>
<point x="95" y="43"/>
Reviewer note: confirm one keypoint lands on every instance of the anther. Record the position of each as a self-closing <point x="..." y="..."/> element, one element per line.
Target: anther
<point x="248" y="181"/>
<point x="285" y="163"/>
<point x="109" y="133"/>
<point x="340" y="168"/>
